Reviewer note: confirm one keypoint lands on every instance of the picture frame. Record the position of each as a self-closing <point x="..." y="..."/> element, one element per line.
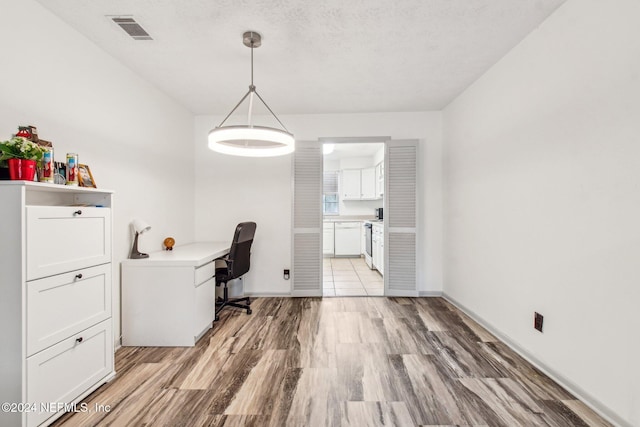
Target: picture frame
<point x="85" y="178"/>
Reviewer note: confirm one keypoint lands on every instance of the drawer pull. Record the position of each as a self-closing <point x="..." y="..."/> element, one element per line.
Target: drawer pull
<point x="79" y="339"/>
<point x="79" y="276"/>
<point x="78" y="212"/>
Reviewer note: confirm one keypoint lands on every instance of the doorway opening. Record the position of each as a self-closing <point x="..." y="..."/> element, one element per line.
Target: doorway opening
<point x="353" y="219"/>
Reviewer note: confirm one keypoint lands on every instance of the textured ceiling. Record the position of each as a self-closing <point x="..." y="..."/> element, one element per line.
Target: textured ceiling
<point x="327" y="56"/>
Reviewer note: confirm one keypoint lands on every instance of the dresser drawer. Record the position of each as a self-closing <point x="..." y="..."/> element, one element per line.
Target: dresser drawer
<point x="62" y="305"/>
<point x="63" y="372"/>
<point x="205" y="272"/>
<point x="66" y="238"/>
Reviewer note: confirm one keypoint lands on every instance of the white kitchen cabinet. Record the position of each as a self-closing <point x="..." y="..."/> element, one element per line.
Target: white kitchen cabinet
<point x="327" y="238"/>
<point x="56" y="305"/>
<point x="375" y="257"/>
<point x="368" y="184"/>
<point x="377" y="247"/>
<point x="380" y="266"/>
<point x="359" y="184"/>
<point x="379" y="180"/>
<point x="347" y="238"/>
<point x="351" y="184"/>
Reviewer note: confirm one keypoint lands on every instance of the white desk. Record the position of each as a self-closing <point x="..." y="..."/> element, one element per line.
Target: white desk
<point x="168" y="299"/>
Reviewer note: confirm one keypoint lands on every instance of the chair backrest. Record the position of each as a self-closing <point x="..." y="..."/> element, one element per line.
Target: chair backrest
<point x="240" y="252"/>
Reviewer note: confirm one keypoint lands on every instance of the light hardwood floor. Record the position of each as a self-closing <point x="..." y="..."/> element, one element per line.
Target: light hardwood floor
<point x="368" y="361"/>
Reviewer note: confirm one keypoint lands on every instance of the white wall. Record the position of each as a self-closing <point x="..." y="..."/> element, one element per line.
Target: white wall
<point x="231" y="189"/>
<point x="360" y="207"/>
<point x="136" y="140"/>
<point x="542" y="165"/>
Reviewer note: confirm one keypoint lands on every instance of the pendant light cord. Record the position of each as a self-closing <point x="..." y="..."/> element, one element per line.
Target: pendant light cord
<point x="252" y="64"/>
<point x="252" y="90"/>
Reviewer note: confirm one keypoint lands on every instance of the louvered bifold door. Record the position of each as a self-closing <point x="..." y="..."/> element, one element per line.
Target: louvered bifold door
<point x="400" y="218"/>
<point x="307" y="219"/>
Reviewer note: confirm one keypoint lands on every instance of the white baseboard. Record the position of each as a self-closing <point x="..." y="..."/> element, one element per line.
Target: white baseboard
<point x="313" y="294"/>
<point x="267" y="294"/>
<point x="570" y="386"/>
<point x="430" y="293"/>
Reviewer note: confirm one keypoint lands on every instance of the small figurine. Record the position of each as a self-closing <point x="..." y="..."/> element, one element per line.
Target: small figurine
<point x="168" y="243"/>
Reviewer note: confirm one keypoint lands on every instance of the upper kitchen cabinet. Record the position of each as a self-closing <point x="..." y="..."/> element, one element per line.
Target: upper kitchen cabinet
<point x="351" y="184"/>
<point x="368" y="183"/>
<point x="359" y="184"/>
<point x="379" y="180"/>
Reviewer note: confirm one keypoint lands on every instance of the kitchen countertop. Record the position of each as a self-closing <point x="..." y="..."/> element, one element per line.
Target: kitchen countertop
<point x="347" y="219"/>
<point x="375" y="222"/>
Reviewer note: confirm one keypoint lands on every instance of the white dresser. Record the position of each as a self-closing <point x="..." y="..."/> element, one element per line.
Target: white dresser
<point x="57" y="344"/>
<point x="168" y="299"/>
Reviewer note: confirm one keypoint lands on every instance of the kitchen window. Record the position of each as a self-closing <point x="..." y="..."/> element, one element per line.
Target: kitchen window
<point x="330" y="199"/>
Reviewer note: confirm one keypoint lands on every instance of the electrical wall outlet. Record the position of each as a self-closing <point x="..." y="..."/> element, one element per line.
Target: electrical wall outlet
<point x="537" y="321"/>
<point x="286" y="274"/>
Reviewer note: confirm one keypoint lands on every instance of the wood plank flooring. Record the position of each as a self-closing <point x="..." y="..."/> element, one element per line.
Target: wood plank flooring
<point x="366" y="361"/>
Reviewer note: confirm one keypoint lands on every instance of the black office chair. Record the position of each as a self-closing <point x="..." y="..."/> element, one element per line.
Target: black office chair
<point x="237" y="263"/>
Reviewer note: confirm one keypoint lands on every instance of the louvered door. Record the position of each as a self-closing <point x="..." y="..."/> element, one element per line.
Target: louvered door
<point x="307" y="219"/>
<point x="400" y="218"/>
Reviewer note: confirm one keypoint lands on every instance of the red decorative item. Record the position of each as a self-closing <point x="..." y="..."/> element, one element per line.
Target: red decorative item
<point x="21" y="169"/>
<point x="23" y="131"/>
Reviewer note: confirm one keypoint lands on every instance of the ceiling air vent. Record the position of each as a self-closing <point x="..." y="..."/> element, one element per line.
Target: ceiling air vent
<point x="132" y="28"/>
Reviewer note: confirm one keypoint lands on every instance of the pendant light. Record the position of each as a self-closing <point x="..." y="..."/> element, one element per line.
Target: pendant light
<point x="249" y="140"/>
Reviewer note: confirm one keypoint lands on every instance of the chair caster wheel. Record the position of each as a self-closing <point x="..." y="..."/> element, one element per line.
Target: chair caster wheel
<point x="248" y="302"/>
<point x="249" y="311"/>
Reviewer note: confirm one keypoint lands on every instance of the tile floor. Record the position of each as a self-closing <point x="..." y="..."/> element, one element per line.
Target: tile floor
<point x="350" y="277"/>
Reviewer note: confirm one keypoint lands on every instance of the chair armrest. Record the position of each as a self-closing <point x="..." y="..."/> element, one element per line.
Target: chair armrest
<point x="227" y="261"/>
<point x="223" y="257"/>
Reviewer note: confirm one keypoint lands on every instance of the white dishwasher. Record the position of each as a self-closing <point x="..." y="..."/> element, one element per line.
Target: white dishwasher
<point x="347" y="238"/>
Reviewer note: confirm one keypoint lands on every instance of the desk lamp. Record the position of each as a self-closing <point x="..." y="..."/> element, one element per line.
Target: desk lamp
<point x="139" y="227"/>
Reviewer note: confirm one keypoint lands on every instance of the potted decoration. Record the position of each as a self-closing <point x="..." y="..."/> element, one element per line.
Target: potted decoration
<point x="21" y="156"/>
